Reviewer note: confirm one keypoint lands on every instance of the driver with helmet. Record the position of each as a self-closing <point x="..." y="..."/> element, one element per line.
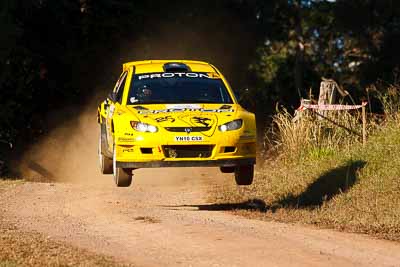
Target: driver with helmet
<point x="144" y="93"/>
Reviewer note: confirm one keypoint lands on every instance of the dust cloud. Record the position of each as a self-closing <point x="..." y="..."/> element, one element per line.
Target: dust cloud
<point x="69" y="154"/>
<point x="66" y="154"/>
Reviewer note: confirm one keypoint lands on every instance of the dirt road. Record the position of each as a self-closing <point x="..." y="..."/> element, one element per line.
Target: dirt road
<point x="165" y="220"/>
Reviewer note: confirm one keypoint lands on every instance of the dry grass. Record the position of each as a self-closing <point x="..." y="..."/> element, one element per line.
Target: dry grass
<point x="33" y="249"/>
<point x="328" y="180"/>
<point x="309" y="133"/>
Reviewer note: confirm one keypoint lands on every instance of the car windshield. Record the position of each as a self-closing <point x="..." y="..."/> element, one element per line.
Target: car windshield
<point x="175" y="88"/>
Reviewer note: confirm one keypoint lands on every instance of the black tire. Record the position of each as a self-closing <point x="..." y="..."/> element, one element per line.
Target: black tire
<point x="122" y="177"/>
<point x="106" y="163"/>
<point x="244" y="174"/>
<point x="227" y="169"/>
<point x="103" y="143"/>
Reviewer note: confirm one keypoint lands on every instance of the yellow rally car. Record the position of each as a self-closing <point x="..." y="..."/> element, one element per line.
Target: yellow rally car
<point x="176" y="113"/>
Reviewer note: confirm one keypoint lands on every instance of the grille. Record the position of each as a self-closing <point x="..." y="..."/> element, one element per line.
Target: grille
<point x="187" y="129"/>
<point x="188" y="151"/>
<point x="146" y="150"/>
<point x="229" y="149"/>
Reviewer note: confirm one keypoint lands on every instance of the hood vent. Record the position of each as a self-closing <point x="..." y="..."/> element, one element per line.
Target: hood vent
<point x="176" y="67"/>
<point x="225" y="107"/>
<point x="140" y="108"/>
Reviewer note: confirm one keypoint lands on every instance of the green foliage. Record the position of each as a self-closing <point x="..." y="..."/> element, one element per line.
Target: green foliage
<point x="271" y="61"/>
<point x="318" y="153"/>
<point x="350" y="41"/>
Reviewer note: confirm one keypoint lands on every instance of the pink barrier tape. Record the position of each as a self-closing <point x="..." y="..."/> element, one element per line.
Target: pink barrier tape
<point x="331" y="107"/>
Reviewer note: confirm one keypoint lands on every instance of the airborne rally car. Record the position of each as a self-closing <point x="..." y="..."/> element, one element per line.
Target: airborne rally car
<point x="174" y="114"/>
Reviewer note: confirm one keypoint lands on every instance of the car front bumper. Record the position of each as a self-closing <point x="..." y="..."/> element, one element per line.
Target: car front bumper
<point x="187" y="163"/>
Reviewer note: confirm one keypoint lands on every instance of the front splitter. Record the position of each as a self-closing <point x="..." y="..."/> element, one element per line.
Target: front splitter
<point x="187" y="163"/>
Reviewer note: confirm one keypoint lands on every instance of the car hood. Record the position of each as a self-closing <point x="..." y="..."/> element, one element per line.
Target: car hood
<point x="203" y="117"/>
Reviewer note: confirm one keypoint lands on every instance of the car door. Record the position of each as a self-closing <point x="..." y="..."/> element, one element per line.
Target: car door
<point x="114" y="98"/>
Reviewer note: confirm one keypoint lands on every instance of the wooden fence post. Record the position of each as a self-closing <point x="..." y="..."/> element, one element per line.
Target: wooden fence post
<point x="327" y="93"/>
<point x="364" y="126"/>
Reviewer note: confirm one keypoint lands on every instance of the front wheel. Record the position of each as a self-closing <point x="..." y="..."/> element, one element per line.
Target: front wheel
<point x="244" y="174"/>
<point x="122" y="177"/>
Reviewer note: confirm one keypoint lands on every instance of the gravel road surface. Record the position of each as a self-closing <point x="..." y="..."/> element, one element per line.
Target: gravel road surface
<point x="164" y="219"/>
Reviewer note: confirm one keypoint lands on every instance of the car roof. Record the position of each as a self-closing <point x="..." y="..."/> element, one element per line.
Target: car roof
<point x="149" y="66"/>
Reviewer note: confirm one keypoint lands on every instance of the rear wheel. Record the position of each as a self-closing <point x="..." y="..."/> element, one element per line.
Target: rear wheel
<point x="122" y="177"/>
<point x="106" y="164"/>
<point x="244" y="174"/>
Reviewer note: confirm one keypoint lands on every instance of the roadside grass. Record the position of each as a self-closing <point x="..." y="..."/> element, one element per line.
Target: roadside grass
<point x="340" y="185"/>
<point x="19" y="248"/>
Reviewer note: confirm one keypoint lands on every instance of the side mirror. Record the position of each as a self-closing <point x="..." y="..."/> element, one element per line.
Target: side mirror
<point x="112" y="97"/>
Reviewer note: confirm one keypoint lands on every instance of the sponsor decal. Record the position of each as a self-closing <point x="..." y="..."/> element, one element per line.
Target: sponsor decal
<point x="175" y="74"/>
<point x="125" y="139"/>
<point x="188" y="138"/>
<point x="181" y="106"/>
<point x="111" y="113"/>
<point x="133" y="100"/>
<point x="185" y="109"/>
<point x="203" y="121"/>
<point x="166" y="118"/>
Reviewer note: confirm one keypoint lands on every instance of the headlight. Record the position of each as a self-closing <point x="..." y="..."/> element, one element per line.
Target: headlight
<point x="232" y="125"/>
<point x="143" y="127"/>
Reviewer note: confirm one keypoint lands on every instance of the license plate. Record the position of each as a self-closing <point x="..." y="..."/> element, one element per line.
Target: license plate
<point x="188" y="138"/>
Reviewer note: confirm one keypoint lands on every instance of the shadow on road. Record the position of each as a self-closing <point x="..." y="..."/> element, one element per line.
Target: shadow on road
<point x="323" y="189"/>
<point x="254" y="204"/>
<point x="327" y="186"/>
